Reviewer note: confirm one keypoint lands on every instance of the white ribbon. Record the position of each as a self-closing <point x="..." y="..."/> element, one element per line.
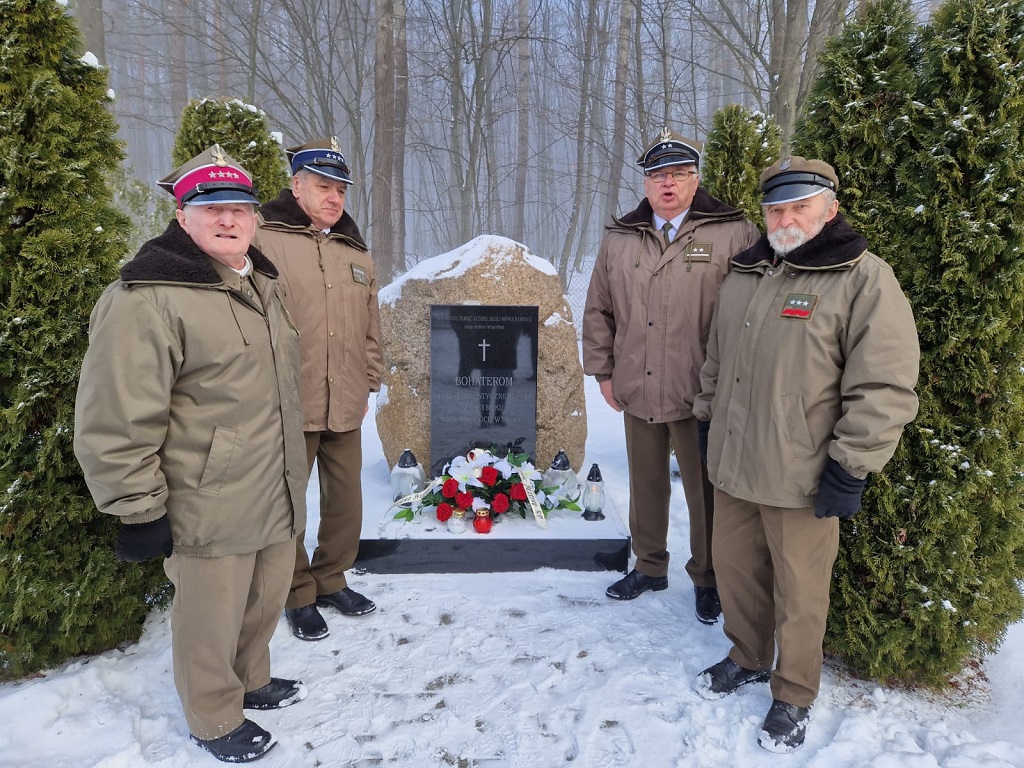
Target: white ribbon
<point x="531" y="496"/>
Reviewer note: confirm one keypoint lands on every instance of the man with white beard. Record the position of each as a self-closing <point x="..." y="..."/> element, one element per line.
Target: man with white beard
<point x="809" y="380"/>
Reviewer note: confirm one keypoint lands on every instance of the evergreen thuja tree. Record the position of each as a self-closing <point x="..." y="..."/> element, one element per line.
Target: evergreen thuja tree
<point x="959" y="476"/>
<point x="242" y="130"/>
<point x="931" y="165"/>
<point x="62" y="592"/>
<point x="739" y="146"/>
<point x="859" y="115"/>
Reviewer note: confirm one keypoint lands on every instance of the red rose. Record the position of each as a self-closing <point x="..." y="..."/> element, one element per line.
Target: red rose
<point x="464" y="500"/>
<point x="518" y="492"/>
<point x="450" y="488"/>
<point x="444" y="511"/>
<point x="500" y="504"/>
<point x="488" y="476"/>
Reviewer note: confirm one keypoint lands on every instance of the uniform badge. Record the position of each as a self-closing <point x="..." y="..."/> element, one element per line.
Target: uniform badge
<point x="699" y="252"/>
<point x="359" y="274"/>
<point x="799" y="305"/>
<point x="784" y="165"/>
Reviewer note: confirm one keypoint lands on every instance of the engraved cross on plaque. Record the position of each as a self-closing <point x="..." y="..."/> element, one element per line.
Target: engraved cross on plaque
<point x="484" y="345"/>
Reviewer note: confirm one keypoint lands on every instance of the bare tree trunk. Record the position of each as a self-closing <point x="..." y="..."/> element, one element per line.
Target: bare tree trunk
<point x="382" y="205"/>
<point x="90" y="22"/>
<point x="401" y="118"/>
<point x="589" y="18"/>
<point x="523" y="79"/>
<point x="617" y="140"/>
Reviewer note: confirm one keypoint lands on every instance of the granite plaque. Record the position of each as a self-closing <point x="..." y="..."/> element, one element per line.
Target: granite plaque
<point x="483" y="379"/>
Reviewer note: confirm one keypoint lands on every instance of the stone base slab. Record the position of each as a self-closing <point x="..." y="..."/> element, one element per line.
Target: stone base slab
<point x="514" y="544"/>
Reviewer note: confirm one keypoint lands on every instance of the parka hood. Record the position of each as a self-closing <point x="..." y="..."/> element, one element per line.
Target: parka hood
<point x="837" y="245"/>
<point x="704" y="206"/>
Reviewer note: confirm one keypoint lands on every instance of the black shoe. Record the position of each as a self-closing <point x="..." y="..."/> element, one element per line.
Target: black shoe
<point x="307" y="623"/>
<point x="348" y="602"/>
<point x="784" y="727"/>
<point x="725" y="677"/>
<point x="276" y="694"/>
<point x="246" y="743"/>
<point x="634" y="584"/>
<point x="708" y="606"/>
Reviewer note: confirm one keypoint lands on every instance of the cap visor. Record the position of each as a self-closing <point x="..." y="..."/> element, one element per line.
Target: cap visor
<point x="224" y="197"/>
<point x="334" y="174"/>
<point x="789" y="193"/>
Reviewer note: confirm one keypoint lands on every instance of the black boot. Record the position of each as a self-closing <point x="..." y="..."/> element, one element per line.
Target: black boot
<point x="246" y="743"/>
<point x="348" y="602"/>
<point x="306" y="623"/>
<point x="784" y="727"/>
<point x="725" y="677"/>
<point x="635" y="584"/>
<point x="276" y="694"/>
<point x="709" y="608"/>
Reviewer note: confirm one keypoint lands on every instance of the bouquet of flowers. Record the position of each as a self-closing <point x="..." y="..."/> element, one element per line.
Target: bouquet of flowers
<point x="481" y="480"/>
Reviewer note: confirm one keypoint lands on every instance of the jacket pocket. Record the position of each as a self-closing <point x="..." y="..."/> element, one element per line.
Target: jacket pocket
<point x="218" y="461"/>
<point x="796" y="426"/>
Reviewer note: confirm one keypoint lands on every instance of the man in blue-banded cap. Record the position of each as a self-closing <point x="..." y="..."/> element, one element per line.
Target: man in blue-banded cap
<point x="812" y="360"/>
<point x="331" y="292"/>
<point x="651" y="297"/>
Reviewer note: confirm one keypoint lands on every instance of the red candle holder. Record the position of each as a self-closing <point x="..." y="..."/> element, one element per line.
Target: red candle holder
<point x="482" y="522"/>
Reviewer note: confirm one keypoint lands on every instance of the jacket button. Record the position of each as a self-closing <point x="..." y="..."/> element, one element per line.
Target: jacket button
<point x="651" y="419"/>
<point x="746" y="324"/>
<point x="650" y="323"/>
<point x="331" y="333"/>
<point x="248" y="293"/>
<point x="330" y="285"/>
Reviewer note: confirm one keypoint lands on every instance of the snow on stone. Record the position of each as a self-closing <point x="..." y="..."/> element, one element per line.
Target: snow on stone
<point x="459" y="261"/>
<point x="555" y="319"/>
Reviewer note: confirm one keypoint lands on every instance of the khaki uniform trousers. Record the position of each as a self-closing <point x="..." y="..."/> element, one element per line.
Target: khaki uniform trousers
<point x="339" y="461"/>
<point x="774" y="570"/>
<point x="224" y="613"/>
<point x="650" y="488"/>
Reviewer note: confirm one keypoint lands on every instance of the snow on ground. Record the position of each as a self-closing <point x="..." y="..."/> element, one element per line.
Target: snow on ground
<point x="535" y="669"/>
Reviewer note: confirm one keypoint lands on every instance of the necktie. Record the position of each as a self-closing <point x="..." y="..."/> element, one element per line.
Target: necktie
<point x="667" y="229"/>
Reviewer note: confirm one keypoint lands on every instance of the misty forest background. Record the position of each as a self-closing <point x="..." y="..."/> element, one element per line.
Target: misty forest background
<point x="521" y="118"/>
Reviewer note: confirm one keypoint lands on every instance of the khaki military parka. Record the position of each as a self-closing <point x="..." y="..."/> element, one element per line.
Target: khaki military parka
<point x="187" y="403"/>
<point x="812" y="355"/>
<point x="649" y="307"/>
<point x="330" y="286"/>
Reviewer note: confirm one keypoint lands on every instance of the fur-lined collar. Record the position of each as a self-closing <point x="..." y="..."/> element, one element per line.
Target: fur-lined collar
<point x="704" y="206"/>
<point x="837" y="245"/>
<point x="285" y="210"/>
<point x="173" y="257"/>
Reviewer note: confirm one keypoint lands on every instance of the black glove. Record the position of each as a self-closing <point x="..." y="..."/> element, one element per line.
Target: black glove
<point x="144" y="541"/>
<point x="703" y="427"/>
<point x="839" y="492"/>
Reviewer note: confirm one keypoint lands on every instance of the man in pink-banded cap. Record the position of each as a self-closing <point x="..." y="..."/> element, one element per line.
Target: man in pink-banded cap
<point x="188" y="427"/>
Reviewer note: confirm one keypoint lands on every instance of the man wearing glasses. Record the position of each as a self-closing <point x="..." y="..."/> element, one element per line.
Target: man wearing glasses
<point x="645" y="328"/>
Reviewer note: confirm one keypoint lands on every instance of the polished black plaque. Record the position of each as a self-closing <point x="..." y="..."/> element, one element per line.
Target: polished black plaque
<point x="483" y="379"/>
